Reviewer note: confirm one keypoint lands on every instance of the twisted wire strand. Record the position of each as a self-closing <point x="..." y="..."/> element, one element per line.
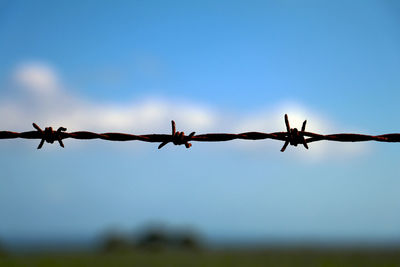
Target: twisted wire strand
<point x="292" y="136"/>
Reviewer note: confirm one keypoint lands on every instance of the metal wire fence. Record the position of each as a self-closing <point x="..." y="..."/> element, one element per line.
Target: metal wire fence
<point x="292" y="136"/>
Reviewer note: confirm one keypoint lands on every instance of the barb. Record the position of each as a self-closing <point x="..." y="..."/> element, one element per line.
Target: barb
<point x="49" y="135"/>
<point x="292" y="136"/>
<point x="178" y="138"/>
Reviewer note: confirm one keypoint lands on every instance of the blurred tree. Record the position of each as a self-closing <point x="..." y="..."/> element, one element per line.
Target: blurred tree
<point x="185" y="240"/>
<point x="115" y="242"/>
<point x="189" y="242"/>
<point x="154" y="239"/>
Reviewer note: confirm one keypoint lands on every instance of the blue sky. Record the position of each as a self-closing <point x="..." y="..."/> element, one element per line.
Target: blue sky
<point x="212" y="66"/>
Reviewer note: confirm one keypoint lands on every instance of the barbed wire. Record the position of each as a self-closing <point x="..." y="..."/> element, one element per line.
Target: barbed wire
<point x="292" y="136"/>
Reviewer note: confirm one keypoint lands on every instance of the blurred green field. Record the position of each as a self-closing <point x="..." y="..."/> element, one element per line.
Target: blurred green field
<point x="279" y="258"/>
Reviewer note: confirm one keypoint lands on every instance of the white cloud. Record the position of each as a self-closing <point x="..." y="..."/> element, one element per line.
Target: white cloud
<point x="36" y="77"/>
<point x="48" y="103"/>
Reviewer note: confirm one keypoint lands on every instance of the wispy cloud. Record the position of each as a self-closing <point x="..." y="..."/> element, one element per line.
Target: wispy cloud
<point x="38" y="78"/>
<point x="41" y="97"/>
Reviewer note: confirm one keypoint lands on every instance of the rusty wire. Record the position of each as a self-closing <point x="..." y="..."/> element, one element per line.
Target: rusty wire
<point x="292" y="136"/>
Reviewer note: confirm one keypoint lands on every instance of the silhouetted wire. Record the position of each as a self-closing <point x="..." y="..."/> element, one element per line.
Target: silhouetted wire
<point x="292" y="136"/>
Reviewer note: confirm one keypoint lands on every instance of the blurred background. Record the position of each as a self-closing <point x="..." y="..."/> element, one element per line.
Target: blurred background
<point x="212" y="66"/>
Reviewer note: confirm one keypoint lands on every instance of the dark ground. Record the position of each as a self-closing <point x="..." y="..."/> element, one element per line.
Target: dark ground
<point x="271" y="257"/>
